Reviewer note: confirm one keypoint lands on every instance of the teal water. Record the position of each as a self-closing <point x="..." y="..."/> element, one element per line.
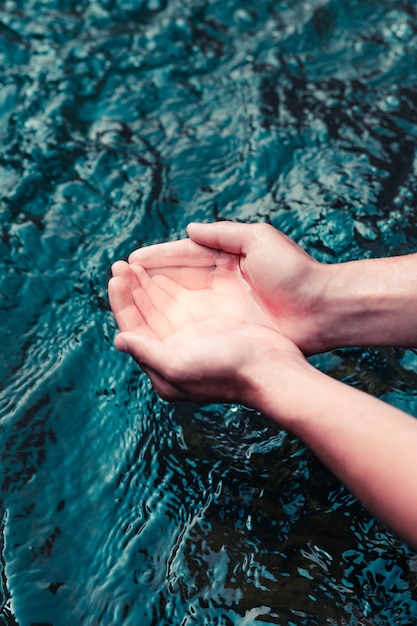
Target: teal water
<point x="120" y="122"/>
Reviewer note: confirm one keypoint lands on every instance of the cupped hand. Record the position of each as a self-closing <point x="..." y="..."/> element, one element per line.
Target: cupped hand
<point x="196" y="331"/>
<point x="283" y="280"/>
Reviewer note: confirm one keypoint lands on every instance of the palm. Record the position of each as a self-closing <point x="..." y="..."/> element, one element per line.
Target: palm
<point x="279" y="275"/>
<point x="195" y="330"/>
<point x="176" y="304"/>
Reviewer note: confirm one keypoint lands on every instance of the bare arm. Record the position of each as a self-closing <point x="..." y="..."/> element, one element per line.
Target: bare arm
<point x="205" y="344"/>
<point x="367" y="302"/>
<point x="371" y="302"/>
<point x="369" y="445"/>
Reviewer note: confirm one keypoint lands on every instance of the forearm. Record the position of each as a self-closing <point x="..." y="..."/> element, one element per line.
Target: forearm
<point x="369" y="445"/>
<point x="369" y="302"/>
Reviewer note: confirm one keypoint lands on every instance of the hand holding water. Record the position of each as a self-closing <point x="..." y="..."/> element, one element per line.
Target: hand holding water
<point x="203" y="317"/>
<point x="196" y="330"/>
<point x="283" y="279"/>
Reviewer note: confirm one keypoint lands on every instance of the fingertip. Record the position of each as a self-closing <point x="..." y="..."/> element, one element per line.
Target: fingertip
<point x="118" y="268"/>
<point x="201" y="233"/>
<point x="113" y="289"/>
<point x="190" y="228"/>
<point x="199" y="225"/>
<point x="224" y="235"/>
<point x="120" y="343"/>
<point x="132" y="258"/>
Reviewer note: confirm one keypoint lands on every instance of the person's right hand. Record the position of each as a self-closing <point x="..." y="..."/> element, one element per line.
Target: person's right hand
<point x="285" y="280"/>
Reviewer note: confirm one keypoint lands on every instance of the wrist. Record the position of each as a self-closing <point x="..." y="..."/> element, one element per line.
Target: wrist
<point x="308" y="324"/>
<point x="275" y="382"/>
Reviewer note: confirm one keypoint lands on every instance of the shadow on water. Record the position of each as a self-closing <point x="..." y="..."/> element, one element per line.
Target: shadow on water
<point x="120" y="122"/>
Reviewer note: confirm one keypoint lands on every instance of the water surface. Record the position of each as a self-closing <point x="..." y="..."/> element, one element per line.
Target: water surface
<point x="120" y="122"/>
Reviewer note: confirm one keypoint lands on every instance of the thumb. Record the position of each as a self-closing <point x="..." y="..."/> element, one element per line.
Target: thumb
<point x="231" y="237"/>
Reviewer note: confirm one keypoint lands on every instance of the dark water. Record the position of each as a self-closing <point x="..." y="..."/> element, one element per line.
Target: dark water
<point x="121" y="121"/>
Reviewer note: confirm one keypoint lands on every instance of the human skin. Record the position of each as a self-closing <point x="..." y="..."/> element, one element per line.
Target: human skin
<point x="205" y="324"/>
<point x="319" y="307"/>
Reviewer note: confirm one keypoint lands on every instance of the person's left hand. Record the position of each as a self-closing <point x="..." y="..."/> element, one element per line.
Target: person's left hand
<point x="198" y="337"/>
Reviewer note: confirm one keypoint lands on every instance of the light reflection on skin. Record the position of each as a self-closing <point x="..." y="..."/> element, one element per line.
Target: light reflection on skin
<point x="189" y="296"/>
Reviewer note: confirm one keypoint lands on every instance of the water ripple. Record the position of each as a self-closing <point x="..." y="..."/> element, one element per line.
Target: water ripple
<point x="120" y="122"/>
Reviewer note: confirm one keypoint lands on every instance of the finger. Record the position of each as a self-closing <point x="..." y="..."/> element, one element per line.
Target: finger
<point x="231" y="237"/>
<point x="123" y="306"/>
<point x="183" y="252"/>
<point x="155" y="318"/>
<point x="123" y="270"/>
<point x="120" y="269"/>
<point x="164" y="301"/>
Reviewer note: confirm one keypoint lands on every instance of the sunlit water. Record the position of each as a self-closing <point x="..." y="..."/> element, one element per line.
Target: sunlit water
<point x="120" y="122"/>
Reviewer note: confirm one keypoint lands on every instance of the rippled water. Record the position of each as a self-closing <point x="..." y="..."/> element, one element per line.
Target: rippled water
<point x="120" y="122"/>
